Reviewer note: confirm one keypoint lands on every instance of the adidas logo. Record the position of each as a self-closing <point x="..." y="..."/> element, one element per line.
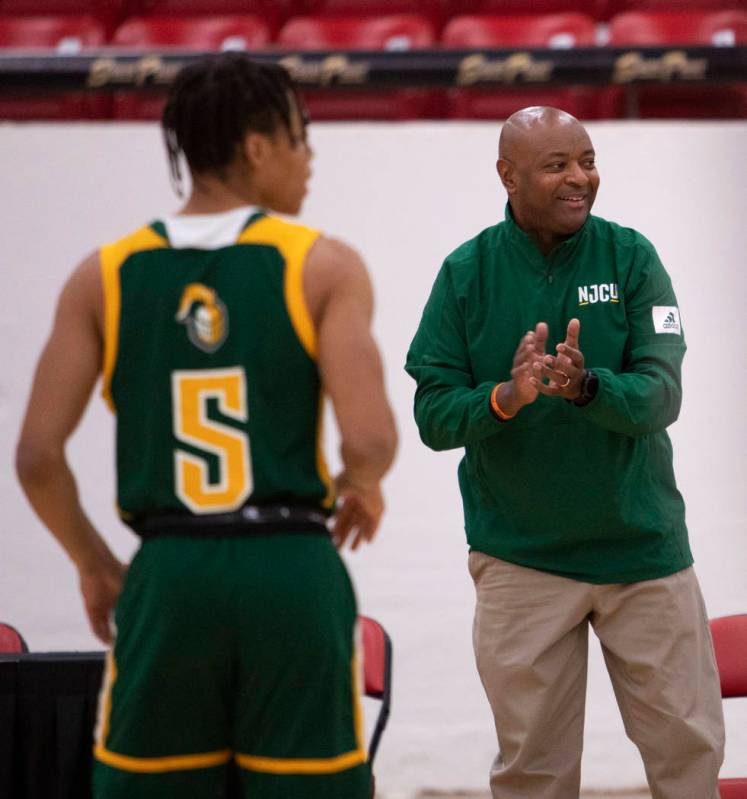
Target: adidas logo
<point x="666" y="319"/>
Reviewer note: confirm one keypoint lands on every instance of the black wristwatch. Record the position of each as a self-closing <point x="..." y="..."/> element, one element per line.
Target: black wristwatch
<point x="589" y="388"/>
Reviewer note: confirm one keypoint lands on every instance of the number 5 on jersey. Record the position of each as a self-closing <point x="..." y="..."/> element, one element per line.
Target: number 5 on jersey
<point x="190" y="392"/>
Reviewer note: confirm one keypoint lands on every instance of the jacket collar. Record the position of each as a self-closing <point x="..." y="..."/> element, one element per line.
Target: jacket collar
<point x="531" y="252"/>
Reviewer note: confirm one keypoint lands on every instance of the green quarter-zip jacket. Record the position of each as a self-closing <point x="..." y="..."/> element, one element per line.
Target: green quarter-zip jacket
<point x="585" y="492"/>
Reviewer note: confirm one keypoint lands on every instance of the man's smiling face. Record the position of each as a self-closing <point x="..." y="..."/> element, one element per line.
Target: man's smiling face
<point x="551" y="177"/>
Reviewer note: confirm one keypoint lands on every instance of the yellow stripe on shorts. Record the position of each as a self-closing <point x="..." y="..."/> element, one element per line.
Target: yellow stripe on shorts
<point x="324" y="765"/>
<point x="155" y="765"/>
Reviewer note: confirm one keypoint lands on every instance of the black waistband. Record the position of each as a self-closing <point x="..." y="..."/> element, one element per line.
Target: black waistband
<point x="249" y="520"/>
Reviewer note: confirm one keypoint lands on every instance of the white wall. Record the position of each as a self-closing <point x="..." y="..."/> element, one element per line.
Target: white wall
<point x="405" y="195"/>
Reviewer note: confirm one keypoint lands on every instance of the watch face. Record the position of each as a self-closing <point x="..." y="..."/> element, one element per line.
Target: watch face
<point x="591" y="384"/>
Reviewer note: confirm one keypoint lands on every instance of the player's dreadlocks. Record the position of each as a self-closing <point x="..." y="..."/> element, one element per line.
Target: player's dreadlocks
<point x="214" y="102"/>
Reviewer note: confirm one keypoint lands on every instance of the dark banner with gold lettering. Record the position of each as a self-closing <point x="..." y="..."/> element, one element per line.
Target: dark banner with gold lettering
<point x="105" y="70"/>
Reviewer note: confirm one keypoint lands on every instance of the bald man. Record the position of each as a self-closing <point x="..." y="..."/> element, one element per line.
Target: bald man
<point x="572" y="513"/>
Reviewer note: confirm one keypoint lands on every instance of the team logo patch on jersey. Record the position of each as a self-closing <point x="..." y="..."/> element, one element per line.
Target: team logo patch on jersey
<point x="598" y="292"/>
<point x="205" y="316"/>
<point x="666" y="319"/>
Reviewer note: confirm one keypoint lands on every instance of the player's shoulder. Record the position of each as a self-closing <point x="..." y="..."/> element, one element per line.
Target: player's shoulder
<point x="335" y="269"/>
<point x="82" y="290"/>
<point x="335" y="250"/>
<point x="331" y="259"/>
<point x="266" y="227"/>
<point x="147" y="237"/>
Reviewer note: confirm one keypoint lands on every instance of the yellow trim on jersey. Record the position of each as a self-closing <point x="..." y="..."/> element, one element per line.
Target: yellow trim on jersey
<point x="324" y="765"/>
<point x="293" y="242"/>
<point x="321" y="462"/>
<point x="155" y="765"/>
<point x="112" y="256"/>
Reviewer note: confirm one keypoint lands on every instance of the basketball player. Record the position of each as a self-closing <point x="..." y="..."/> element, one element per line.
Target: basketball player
<point x="216" y="332"/>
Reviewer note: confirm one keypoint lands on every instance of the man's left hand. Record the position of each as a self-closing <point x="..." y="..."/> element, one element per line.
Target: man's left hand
<point x="564" y="371"/>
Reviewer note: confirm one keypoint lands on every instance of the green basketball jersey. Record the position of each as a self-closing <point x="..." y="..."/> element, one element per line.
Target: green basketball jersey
<point x="210" y="366"/>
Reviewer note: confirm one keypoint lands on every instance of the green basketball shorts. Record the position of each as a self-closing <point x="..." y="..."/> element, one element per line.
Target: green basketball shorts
<point x="233" y="658"/>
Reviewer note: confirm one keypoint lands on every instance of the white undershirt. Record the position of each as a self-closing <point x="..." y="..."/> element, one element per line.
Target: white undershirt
<point x="207" y="231"/>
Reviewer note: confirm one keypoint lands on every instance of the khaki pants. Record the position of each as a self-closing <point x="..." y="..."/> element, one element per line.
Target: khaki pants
<point x="530" y="638"/>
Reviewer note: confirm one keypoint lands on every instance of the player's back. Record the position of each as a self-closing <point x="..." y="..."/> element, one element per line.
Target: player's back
<point x="210" y="366"/>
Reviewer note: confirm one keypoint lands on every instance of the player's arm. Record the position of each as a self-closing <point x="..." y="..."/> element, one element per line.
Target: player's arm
<point x="352" y="375"/>
<point x="64" y="379"/>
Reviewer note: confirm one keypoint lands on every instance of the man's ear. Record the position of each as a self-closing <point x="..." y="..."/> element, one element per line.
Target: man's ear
<point x="505" y="171"/>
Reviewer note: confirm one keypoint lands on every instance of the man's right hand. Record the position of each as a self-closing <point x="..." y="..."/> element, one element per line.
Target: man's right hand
<point x="359" y="513"/>
<point x="100" y="587"/>
<point x="521" y="391"/>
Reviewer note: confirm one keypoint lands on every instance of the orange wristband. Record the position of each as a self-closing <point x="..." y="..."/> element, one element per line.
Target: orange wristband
<point x="496" y="408"/>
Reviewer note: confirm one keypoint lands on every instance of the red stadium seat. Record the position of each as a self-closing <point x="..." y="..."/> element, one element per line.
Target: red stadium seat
<point x="535" y="30"/>
<point x="611" y="8"/>
<point x="11" y="641"/>
<point x="68" y="35"/>
<point x="720" y="28"/>
<point x="47" y="7"/>
<point x="190" y="33"/>
<point x="107" y="12"/>
<point x="435" y="11"/>
<point x="730" y="646"/>
<point x="396" y="32"/>
<point x="272" y="12"/>
<point x="209" y="33"/>
<point x="591" y="8"/>
<point x="541" y="30"/>
<point x="677" y="100"/>
<point x="377" y="674"/>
